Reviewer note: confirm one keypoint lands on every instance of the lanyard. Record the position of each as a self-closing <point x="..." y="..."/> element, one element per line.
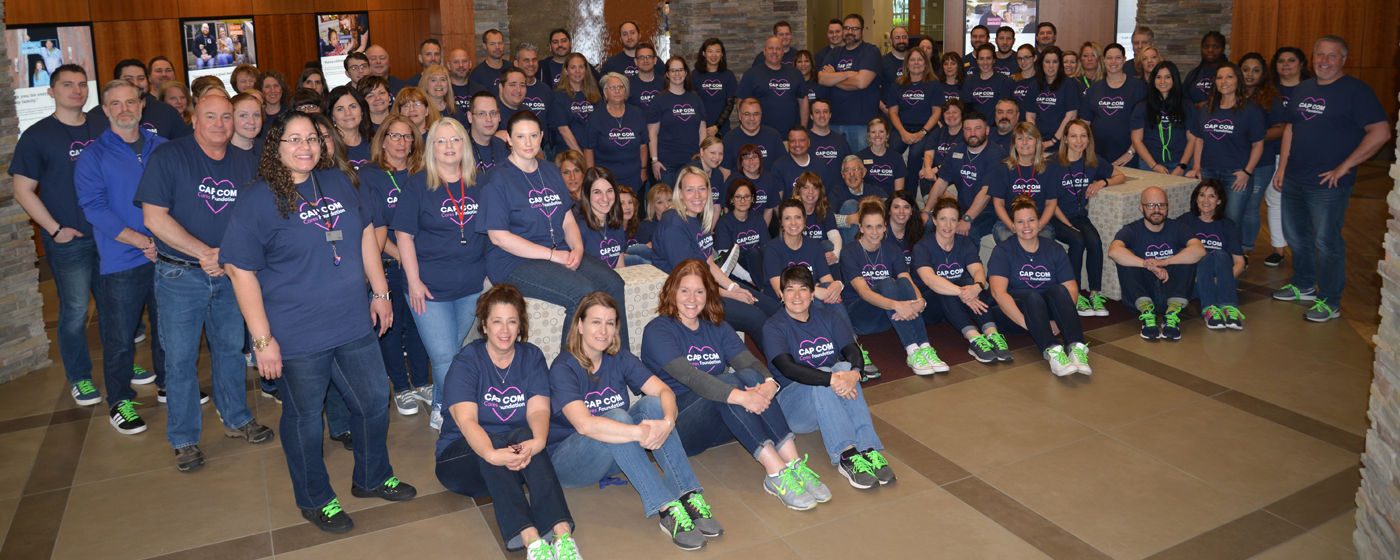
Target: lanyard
<point x="459" y="206"/>
<point x="480" y="163"/>
<point x="331" y="234"/>
<point x="1166" y="141"/>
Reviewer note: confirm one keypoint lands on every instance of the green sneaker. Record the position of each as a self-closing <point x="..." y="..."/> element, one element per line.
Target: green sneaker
<point x="700" y="514"/>
<point x="931" y="357"/>
<point x="1079" y="356"/>
<point x="1289" y="292"/>
<point x="787" y="486"/>
<point x="1233" y="318"/>
<point x="85" y="394"/>
<point x="871" y="372"/>
<point x="675" y="521"/>
<point x="882" y="467"/>
<point x="1215" y="317"/>
<point x="1149" y="325"/>
<point x="1322" y="312"/>
<point x="1098" y="300"/>
<point x="810" y="480"/>
<point x="1002" y="351"/>
<point x="565" y="548"/>
<point x="1084" y="307"/>
<point x="1171" y="329"/>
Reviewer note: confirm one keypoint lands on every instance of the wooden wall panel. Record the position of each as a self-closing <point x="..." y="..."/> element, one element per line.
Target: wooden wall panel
<point x="28" y="12"/>
<point x="1386" y="82"/>
<point x="1380" y="48"/>
<point x="400" y="32"/>
<point x="1079" y="21"/>
<point x="268" y="7"/>
<point x="214" y="8"/>
<point x="1307" y="20"/>
<point x="954" y="28"/>
<point x="286" y="43"/>
<point x="643" y="12"/>
<point x="1254" y="28"/>
<point x="404" y="5"/>
<point x="142" y="40"/>
<point x="335" y="6"/>
<point x="126" y="10"/>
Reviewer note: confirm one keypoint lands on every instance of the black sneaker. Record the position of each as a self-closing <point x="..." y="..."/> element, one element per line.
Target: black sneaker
<point x="188" y="458"/>
<point x="1002" y="351"/>
<point x="1170" y="326"/>
<point x="330" y="518"/>
<point x="1149" y="325"/>
<point x="125" y="419"/>
<point x="858" y="471"/>
<point x="1274" y="259"/>
<point x="203" y="396"/>
<point x="345" y="440"/>
<point x="272" y="394"/>
<point x="699" y="512"/>
<point x="1246" y="262"/>
<point x="882" y="467"/>
<point x="982" y="349"/>
<point x="675" y="521"/>
<point x="391" y="490"/>
<point x="252" y="431"/>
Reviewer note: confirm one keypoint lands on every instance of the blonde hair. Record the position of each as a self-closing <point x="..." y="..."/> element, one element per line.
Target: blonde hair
<point x="1100" y="70"/>
<point x="707" y="214"/>
<point x="574" y="344"/>
<point x="448" y="102"/>
<point x="659" y="191"/>
<point x="1090" y="160"/>
<point x="468" y="163"/>
<point x="1038" y="160"/>
<point x="188" y="113"/>
<point x="706" y="143"/>
<point x="626" y="83"/>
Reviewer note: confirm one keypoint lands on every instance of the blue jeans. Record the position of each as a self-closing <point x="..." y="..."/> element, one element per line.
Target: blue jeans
<point x="639" y="250"/>
<point x="672" y="170"/>
<point x="749" y="318"/>
<point x="854" y="135"/>
<point x="1215" y="279"/>
<point x="357" y="371"/>
<point x="754" y="431"/>
<point x="698" y="423"/>
<point x="126" y="293"/>
<point x="337" y="414"/>
<point x="1243" y="207"/>
<point x="1138" y="284"/>
<point x="461" y="470"/>
<point x="848" y="233"/>
<point x="75" y="275"/>
<point x="1312" y="223"/>
<point x="1001" y="233"/>
<point x="556" y="284"/>
<point x="583" y="461"/>
<point x="402" y="337"/>
<point x="844" y="423"/>
<point x="866" y="318"/>
<point x="951" y="309"/>
<point x="1084" y="242"/>
<point x="189" y="301"/>
<point x="443" y="326"/>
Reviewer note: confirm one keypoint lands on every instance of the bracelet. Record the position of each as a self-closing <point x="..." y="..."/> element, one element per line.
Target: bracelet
<point x="384" y="296"/>
<point x="55" y="232"/>
<point x="733" y="286"/>
<point x="1246" y="172"/>
<point x="261" y="342"/>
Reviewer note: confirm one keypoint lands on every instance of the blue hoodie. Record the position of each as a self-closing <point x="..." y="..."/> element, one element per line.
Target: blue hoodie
<point x="105" y="178"/>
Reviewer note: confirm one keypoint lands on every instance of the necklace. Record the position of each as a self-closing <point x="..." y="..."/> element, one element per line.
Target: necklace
<point x="553" y="242"/>
<point x="331" y="234"/>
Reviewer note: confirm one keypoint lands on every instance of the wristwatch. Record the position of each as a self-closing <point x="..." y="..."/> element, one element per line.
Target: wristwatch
<point x="384" y="296"/>
<point x="1181" y="165"/>
<point x="967" y="218"/>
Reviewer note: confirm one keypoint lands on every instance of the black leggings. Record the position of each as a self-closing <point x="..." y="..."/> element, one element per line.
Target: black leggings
<point x="1039" y="308"/>
<point x="1082" y="242"/>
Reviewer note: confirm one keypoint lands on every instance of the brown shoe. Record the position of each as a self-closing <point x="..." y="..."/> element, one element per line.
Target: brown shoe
<point x="252" y="431"/>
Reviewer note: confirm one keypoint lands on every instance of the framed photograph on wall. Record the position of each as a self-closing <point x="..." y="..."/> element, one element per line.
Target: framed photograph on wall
<point x="338" y="35"/>
<point x="35" y="52"/>
<point x="215" y="46"/>
<point x="1020" y="15"/>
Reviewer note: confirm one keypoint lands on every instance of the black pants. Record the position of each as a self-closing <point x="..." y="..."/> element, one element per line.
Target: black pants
<point x="460" y="470"/>
<point x="1084" y="242"/>
<point x="1138" y="283"/>
<point x="1039" y="308"/>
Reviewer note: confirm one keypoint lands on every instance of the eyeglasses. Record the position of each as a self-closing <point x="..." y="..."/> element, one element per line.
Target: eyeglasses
<point x="751" y="115"/>
<point x="485" y="115"/>
<point x="1025" y="58"/>
<point x="676" y="71"/>
<point x="412" y="105"/>
<point x="849" y="28"/>
<point x="646" y="57"/>
<point x="614" y="88"/>
<point x="359" y="67"/>
<point x="307" y="108"/>
<point x="749" y="157"/>
<point x="1155" y="205"/>
<point x="398" y="137"/>
<point x="446" y="141"/>
<point x="743" y="197"/>
<point x="296" y="141"/>
<point x="850" y="170"/>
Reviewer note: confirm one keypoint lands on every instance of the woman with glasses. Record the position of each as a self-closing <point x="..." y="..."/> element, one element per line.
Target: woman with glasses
<point x="616" y="137"/>
<point x="675" y="123"/>
<point x="767" y="191"/>
<point x="413" y="103"/>
<point x="743" y="228"/>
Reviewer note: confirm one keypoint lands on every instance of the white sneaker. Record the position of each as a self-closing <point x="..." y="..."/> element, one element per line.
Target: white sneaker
<point x="406" y="403"/>
<point x="1060" y="362"/>
<point x="539" y="550"/>
<point x="435" y="420"/>
<point x="1079" y="356"/>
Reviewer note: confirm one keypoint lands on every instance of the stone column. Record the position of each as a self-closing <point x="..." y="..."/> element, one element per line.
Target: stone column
<point x="1377" y="535"/>
<point x="1179" y="26"/>
<point x="24" y="345"/>
<point x="489" y="14"/>
<point x="742" y="26"/>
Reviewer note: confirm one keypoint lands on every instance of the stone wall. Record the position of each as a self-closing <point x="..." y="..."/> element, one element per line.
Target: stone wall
<point x="1179" y="26"/>
<point x="743" y="26"/>
<point x="24" y="346"/>
<point x="1378" y="500"/>
<point x="493" y="14"/>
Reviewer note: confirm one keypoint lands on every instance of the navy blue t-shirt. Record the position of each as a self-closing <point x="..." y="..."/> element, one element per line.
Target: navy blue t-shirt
<point x="1197" y="83"/>
<point x="1328" y="124"/>
<point x="748" y="235"/>
<point x="616" y="142"/>
<point x="982" y="95"/>
<point x="951" y="92"/>
<point x="881" y="171"/>
<point x="778" y="256"/>
<point x="313" y="303"/>
<point x="500" y="405"/>
<point x="768" y="192"/>
<point x="1021" y="88"/>
<point x="606" y="244"/>
<point x="489" y="156"/>
<point x="830" y="149"/>
<point x="679" y="116"/>
<point x="646" y="230"/>
<point x="1049" y="105"/>
<point x="1277" y="113"/>
<point x="569" y="382"/>
<point x="678" y="239"/>
<point x="1073" y="181"/>
<point x="891" y="68"/>
<point x="915" y="103"/>
<point x="357" y="155"/>
<point x="381" y="191"/>
<point x="158" y="117"/>
<point x="951" y="265"/>
<point x="48" y="153"/>
<point x="1004" y="140"/>
<point x="970" y="172"/>
<point x="1148" y="244"/>
<point x="462" y="96"/>
<point x="1165" y="141"/>
<point x="818" y="226"/>
<point x="641" y="93"/>
<point x="1110" y="114"/>
<point x="709" y="347"/>
<point x="487" y="76"/>
<point x="620" y="63"/>
<point x="1023" y="270"/>
<point x="854" y="107"/>
<point x="450" y="266"/>
<point x="943" y="142"/>
<point x="530" y="205"/>
<point x="715" y="89"/>
<point x="838" y="195"/>
<point x="1228" y="135"/>
<point x="768" y="140"/>
<point x="817" y="342"/>
<point x="777" y="91"/>
<point x="1007" y="184"/>
<point x="1006" y="66"/>
<point x="884" y="263"/>
<point x="1217" y="235"/>
<point x="198" y="190"/>
<point x="787" y="170"/>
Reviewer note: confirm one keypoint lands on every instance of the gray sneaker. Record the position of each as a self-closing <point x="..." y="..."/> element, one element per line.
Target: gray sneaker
<point x="675" y="521"/>
<point x="1322" y="311"/>
<point x="406" y="402"/>
<point x="424" y="394"/>
<point x="1293" y="293"/>
<point x="811" y="481"/>
<point x="788" y="488"/>
<point x="699" y="512"/>
<point x="1002" y="351"/>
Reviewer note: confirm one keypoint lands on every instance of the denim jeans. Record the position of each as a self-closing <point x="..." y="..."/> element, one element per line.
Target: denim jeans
<point x="443" y="326"/>
<point x="848" y="233"/>
<point x="1039" y="308"/>
<point x="461" y="470"/>
<point x="844" y="423"/>
<point x="698" y="423"/>
<point x="1084" y="242"/>
<point x="402" y="338"/>
<point x="672" y="170"/>
<point x="1312" y="222"/>
<point x="1139" y="283"/>
<point x="1001" y="233"/>
<point x="1243" y="207"/>
<point x="838" y="308"/>
<point x="337" y="414"/>
<point x="75" y="275"/>
<point x="556" y="284"/>
<point x="357" y="371"/>
<point x="1215" y="278"/>
<point x="854" y="135"/>
<point x="754" y="431"/>
<point x="639" y="250"/>
<point x="951" y="309"/>
<point x="982" y="226"/>
<point x="126" y="293"/>
<point x="583" y="461"/>
<point x="749" y="318"/>
<point x="190" y="300"/>
<point x="866" y="318"/>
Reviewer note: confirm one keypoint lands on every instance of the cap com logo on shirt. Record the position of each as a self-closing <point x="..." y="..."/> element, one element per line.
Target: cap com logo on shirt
<point x="76" y="149"/>
<point x="1311" y="107"/>
<point x="1030" y="187"/>
<point x="392" y="199"/>
<point x="706" y="242"/>
<point x="1203" y="85"/>
<point x="648" y="95"/>
<point x="913" y="96"/>
<point x="827" y="153"/>
<point x="581" y="109"/>
<point x="969" y="175"/>
<point x="816" y="352"/>
<point x="217" y="193"/>
<point x="545" y="200"/>
<point x="845" y="64"/>
<point x="326" y="208"/>
<point x="983" y="94"/>
<point x="535" y="104"/>
<point x="803" y="263"/>
<point x="467" y="206"/>
<point x="814" y="232"/>
<point x="503" y="403"/>
<point x="1021" y="91"/>
<point x="1159" y="252"/>
<point x="1211" y="241"/>
<point x="875" y="272"/>
<point x="1110" y="105"/>
<point x="881" y="173"/>
<point x="1046" y="100"/>
<point x="779" y="86"/>
<point x="1074" y="183"/>
<point x="622" y="136"/>
<point x="609" y="250"/>
<point x="630" y="71"/>
<point x="1034" y="276"/>
<point x="683" y="111"/>
<point x="760" y="199"/>
<point x="747" y="238"/>
<point x="703" y="358"/>
<point x="951" y="271"/>
<point x="712" y="87"/>
<point x="599" y="402"/>
<point x="1219" y="128"/>
<point x="150" y="127"/>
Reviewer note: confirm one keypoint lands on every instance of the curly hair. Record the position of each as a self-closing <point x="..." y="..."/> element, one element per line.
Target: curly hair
<point x="503" y="294"/>
<point x="630" y="225"/>
<point x="275" y="173"/>
<point x="714" y="308"/>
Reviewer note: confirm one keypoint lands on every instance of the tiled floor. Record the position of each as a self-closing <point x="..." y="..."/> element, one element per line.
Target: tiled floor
<point x="1225" y="445"/>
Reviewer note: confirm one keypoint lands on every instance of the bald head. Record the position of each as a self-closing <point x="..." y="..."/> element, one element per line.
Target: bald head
<point x="1154" y="205"/>
<point x="773" y="52"/>
<point x="213" y="122"/>
<point x="1154" y="194"/>
<point x="378" y="61"/>
<point x="459" y="63"/>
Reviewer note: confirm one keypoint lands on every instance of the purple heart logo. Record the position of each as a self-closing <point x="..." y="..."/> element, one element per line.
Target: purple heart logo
<point x="983" y="93"/>
<point x="968" y="173"/>
<point x="683" y="114"/>
<point x="1214" y="239"/>
<point x="750" y="234"/>
<point x="1203" y="85"/>
<point x="581" y="108"/>
<point x="806" y="347"/>
<point x="589" y="398"/>
<point x="1110" y="105"/>
<point x="1045" y="101"/>
<point x="533" y="101"/>
<point x="1074" y="182"/>
<point x="335" y="218"/>
<point x="451" y="208"/>
<point x="503" y="394"/>
<point x="712" y="86"/>
<point x="779" y="86"/>
<point x="1025" y="186"/>
<point x="622" y="136"/>
<point x="630" y="71"/>
<point x="872" y="270"/>
<point x="1028" y="275"/>
<point x="1317" y="104"/>
<point x="694" y="350"/>
<point x="76" y="149"/>
<point x="946" y="269"/>
<point x="1217" y="127"/>
<point x="881" y="172"/>
<point x="603" y="250"/>
<point x="539" y="198"/>
<point x="212" y="192"/>
<point x="1158" y="249"/>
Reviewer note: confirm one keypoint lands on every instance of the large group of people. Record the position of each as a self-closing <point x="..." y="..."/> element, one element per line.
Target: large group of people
<point x="308" y="233"/>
